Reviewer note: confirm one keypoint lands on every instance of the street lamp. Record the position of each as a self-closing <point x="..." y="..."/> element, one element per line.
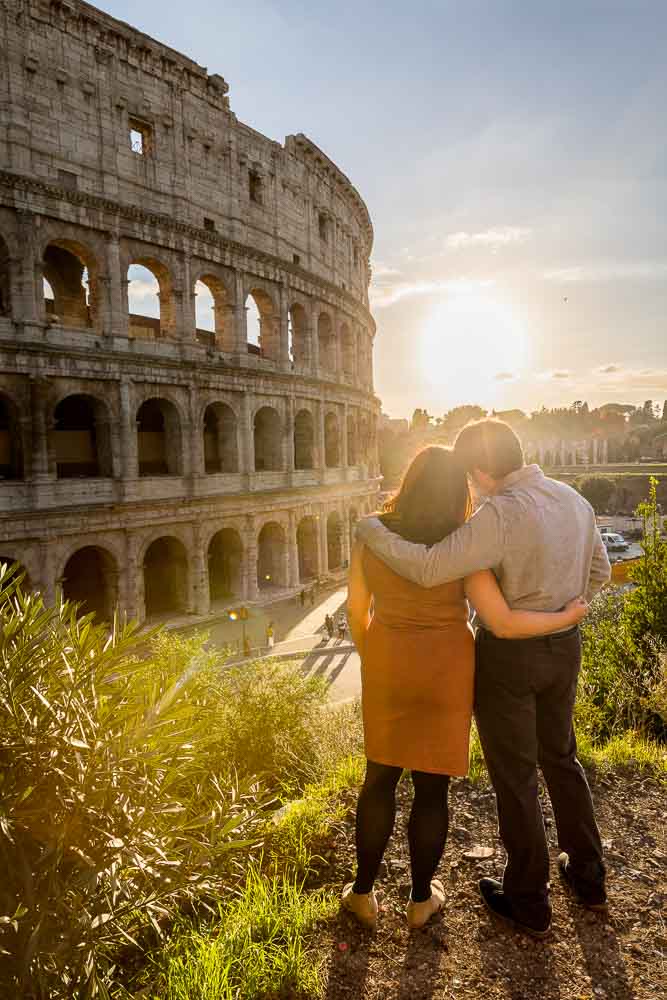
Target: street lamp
<point x="240" y="615"/>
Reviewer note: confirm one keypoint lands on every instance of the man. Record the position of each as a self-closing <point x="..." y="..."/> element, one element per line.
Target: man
<point x="540" y="538"/>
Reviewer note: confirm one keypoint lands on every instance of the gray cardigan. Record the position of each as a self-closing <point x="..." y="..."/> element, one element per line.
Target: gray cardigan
<point x="538" y="535"/>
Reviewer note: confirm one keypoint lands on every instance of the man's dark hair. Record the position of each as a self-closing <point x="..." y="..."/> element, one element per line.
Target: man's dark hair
<point x="490" y="446"/>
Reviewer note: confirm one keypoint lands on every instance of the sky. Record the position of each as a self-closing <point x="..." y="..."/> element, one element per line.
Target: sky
<point x="513" y="157"/>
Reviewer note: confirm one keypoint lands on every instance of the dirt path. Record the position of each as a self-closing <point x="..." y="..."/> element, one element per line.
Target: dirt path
<point x="465" y="954"/>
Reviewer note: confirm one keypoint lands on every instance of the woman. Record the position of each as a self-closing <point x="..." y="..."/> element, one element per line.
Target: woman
<point x="417" y="654"/>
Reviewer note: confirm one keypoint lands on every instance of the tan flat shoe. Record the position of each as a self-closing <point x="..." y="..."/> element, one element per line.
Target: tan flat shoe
<point x="363" y="905"/>
<point x="420" y="913"/>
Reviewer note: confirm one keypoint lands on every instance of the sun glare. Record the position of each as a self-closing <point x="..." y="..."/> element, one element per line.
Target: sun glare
<point x="473" y="344"/>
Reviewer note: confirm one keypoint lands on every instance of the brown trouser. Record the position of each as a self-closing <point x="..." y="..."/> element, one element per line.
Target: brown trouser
<point x="524" y="700"/>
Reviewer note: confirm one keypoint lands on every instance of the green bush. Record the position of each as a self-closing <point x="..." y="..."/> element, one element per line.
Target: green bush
<point x="623" y="685"/>
<point x="110" y="820"/>
<point x="266" y="721"/>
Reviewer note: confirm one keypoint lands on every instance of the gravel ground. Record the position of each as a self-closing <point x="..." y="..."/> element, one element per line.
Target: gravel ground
<point x="464" y="953"/>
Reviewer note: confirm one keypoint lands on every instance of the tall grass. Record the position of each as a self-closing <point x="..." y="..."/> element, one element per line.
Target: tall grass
<point x="259" y="948"/>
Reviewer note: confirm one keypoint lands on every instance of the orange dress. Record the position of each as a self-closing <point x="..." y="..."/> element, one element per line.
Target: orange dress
<point x="417" y="673"/>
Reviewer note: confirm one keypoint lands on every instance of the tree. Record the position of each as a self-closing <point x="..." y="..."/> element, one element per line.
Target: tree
<point x="457" y="418"/>
<point x="597" y="490"/>
<point x="420" y="419"/>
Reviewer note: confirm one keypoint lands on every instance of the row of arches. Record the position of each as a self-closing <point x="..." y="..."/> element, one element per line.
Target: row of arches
<point x="225" y="314"/>
<point x="90" y="576"/>
<point x="81" y="439"/>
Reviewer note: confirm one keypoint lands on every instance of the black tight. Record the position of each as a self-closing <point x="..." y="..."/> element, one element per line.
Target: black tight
<point x="427" y="827"/>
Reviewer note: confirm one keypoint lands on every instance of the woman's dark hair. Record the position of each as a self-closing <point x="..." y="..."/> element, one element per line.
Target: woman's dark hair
<point x="433" y="499"/>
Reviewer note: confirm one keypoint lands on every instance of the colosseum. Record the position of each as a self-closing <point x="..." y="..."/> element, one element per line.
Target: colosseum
<point x="187" y="415"/>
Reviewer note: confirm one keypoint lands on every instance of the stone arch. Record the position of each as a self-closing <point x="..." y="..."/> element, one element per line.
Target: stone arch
<point x="11" y="440"/>
<point x="213" y="316"/>
<point x="5" y="279"/>
<point x="266" y="341"/>
<point x="331" y="441"/>
<point x="271" y="556"/>
<point x="334" y="540"/>
<point x="347" y="340"/>
<point x="150" y="299"/>
<point x="220" y="430"/>
<point x="159" y="441"/>
<point x="326" y="343"/>
<point x="306" y="543"/>
<point x="352" y="439"/>
<point x="304" y="440"/>
<point x="165" y="571"/>
<point x="299" y="341"/>
<point x="81" y="437"/>
<point x="268" y="440"/>
<point x="71" y="272"/>
<point x="363" y="437"/>
<point x="225" y="565"/>
<point x="90" y="579"/>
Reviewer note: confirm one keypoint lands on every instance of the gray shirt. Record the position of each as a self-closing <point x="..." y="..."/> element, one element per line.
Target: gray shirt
<point x="538" y="535"/>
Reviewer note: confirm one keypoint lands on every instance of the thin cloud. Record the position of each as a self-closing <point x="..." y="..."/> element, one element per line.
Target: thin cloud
<point x="608" y="370"/>
<point x="501" y="236"/>
<point x="505" y="377"/>
<point x="650" y="270"/>
<point x="559" y="375"/>
<point x="392" y="286"/>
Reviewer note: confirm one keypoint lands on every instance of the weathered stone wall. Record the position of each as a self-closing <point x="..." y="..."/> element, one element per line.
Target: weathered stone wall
<point x="181" y="433"/>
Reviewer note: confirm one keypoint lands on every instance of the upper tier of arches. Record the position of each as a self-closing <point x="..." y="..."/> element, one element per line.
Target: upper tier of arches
<point x="77" y="280"/>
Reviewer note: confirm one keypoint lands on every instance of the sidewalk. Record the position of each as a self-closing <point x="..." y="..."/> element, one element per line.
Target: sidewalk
<point x="292" y="623"/>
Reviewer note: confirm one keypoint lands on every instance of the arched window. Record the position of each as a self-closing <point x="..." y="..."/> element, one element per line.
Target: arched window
<point x="225" y="563"/>
<point x="349" y="360"/>
<point x="268" y="440"/>
<point x="326" y="341"/>
<point x="271" y="548"/>
<point x="334" y="540"/>
<point x="70" y="274"/>
<point x="303" y="440"/>
<point x="352" y="440"/>
<point x="159" y="438"/>
<point x="165" y="577"/>
<point x="150" y="300"/>
<point x="5" y="281"/>
<point x="263" y="330"/>
<point x="11" y="441"/>
<point x="90" y="579"/>
<point x="306" y="541"/>
<point x="211" y="310"/>
<point x="299" y="345"/>
<point x="220" y="439"/>
<point x="82" y="438"/>
<point x="331" y="441"/>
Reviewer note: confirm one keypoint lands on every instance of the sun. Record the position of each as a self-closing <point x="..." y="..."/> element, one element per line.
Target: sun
<point x="472" y="344"/>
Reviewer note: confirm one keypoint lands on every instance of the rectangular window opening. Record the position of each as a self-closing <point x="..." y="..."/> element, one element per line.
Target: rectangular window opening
<point x="68" y="180"/>
<point x="140" y="137"/>
<point x="255" y="187"/>
<point x="296" y="259"/>
<point x="209" y="224"/>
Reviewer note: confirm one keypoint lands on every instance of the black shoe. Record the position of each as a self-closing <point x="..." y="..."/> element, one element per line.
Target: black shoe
<point x="497" y="902"/>
<point x="590" y="892"/>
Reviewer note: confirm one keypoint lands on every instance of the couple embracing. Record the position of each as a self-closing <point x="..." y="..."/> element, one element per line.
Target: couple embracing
<point x="528" y="561"/>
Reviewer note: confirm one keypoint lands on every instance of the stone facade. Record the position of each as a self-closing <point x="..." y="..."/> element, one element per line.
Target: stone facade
<point x="144" y="461"/>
